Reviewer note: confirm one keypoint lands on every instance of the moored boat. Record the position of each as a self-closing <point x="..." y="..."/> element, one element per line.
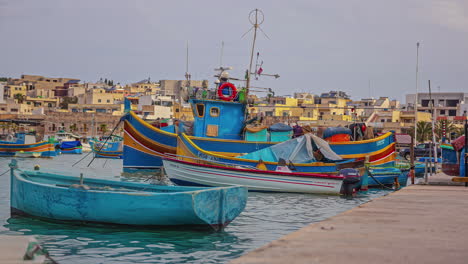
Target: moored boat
<point x="26" y="143"/>
<point x="107" y="150"/>
<point x="66" y="198"/>
<point x="71" y="147"/>
<point x="221" y="174"/>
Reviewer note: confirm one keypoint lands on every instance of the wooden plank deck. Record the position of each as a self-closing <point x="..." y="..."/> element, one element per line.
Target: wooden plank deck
<point x="418" y="224"/>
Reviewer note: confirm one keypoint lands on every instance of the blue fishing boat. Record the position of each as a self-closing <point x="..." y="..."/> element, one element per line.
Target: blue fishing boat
<point x="386" y="176"/>
<point x="66" y="198"/>
<point x="145" y="145"/>
<point x="25" y="143"/>
<point x="71" y="147"/>
<point x="107" y="150"/>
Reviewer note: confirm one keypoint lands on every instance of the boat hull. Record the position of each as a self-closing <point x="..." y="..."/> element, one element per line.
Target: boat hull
<point x="122" y="202"/>
<point x="187" y="173"/>
<point x="45" y="149"/>
<point x="387" y="176"/>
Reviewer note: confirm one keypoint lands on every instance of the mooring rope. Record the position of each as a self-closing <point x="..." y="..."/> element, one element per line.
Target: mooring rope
<point x="5" y="172"/>
<point x="372" y="176"/>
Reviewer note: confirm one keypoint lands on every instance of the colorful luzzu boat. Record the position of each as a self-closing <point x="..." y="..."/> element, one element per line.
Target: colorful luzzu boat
<point x="107" y="150"/>
<point x="144" y="145"/>
<point x="219" y="127"/>
<point x="71" y="147"/>
<point x="21" y="144"/>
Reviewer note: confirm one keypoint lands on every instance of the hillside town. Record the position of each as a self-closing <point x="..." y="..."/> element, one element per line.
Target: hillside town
<point x="46" y="105"/>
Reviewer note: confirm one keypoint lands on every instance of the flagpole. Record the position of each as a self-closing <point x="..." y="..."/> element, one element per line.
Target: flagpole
<point x="416" y="97"/>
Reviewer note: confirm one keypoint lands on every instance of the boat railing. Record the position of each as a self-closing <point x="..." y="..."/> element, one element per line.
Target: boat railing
<point x="199" y="160"/>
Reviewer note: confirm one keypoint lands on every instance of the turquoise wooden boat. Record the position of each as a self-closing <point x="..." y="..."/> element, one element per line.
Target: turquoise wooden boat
<point x="59" y="197"/>
<point x="387" y="176"/>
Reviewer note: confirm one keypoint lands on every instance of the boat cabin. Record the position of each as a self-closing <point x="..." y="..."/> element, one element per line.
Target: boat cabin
<point x="218" y="119"/>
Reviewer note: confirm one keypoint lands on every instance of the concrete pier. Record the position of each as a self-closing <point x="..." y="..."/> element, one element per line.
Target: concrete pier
<point x="418" y="224"/>
<point x="13" y="249"/>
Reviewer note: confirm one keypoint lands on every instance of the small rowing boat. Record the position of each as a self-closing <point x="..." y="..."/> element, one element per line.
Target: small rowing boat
<point x="67" y="198"/>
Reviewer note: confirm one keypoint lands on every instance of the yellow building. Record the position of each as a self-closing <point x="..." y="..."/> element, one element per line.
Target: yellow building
<point x="183" y="113"/>
<point x="99" y="96"/>
<point x="289" y="108"/>
<point x="12" y="90"/>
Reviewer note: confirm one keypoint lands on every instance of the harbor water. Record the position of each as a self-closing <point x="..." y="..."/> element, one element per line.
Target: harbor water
<point x="267" y="217"/>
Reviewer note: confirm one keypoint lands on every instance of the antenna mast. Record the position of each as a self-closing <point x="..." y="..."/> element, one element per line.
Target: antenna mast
<point x="187" y="75"/>
<point x="256" y="23"/>
<point x="221" y="56"/>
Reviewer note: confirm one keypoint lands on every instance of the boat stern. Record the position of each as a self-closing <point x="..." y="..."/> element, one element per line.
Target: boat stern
<point x="217" y="207"/>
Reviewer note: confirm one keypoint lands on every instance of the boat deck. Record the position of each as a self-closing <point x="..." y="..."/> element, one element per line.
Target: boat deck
<point x="418" y="224"/>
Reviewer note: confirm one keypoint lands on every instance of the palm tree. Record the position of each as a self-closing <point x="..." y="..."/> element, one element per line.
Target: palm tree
<point x="424" y="131"/>
<point x="103" y="128"/>
<point x="458" y="132"/>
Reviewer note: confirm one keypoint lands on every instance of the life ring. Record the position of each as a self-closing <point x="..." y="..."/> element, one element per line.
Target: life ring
<point x="225" y="97"/>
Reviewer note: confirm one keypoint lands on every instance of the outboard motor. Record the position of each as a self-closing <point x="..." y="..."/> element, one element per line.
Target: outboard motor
<point x="351" y="182"/>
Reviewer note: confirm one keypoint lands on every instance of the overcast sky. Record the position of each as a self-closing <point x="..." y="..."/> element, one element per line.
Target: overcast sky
<point x="315" y="46"/>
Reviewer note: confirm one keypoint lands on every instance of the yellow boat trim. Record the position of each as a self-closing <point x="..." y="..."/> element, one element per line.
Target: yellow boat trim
<point x="249" y="160"/>
<point x="231" y="140"/>
<point x="134" y="130"/>
<point x="155" y="129"/>
<point x="363" y="155"/>
<point x="41" y="142"/>
<point x="362" y="141"/>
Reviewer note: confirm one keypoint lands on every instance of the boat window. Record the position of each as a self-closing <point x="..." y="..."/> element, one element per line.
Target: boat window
<point x="214" y="111"/>
<point x="200" y="110"/>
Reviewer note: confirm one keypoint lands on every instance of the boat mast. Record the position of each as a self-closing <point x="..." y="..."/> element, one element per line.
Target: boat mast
<point x="255" y="22"/>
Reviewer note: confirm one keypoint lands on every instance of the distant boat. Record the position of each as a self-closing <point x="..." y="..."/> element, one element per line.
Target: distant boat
<point x="108" y="150"/>
<point x="59" y="197"/>
<point x="71" y="147"/>
<point x="26" y="143"/>
<point x="221" y="174"/>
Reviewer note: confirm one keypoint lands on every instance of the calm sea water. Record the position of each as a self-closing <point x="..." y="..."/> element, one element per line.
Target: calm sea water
<point x="267" y="217"/>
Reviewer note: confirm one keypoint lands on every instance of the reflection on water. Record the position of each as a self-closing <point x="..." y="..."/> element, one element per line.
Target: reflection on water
<point x="99" y="243"/>
<point x="267" y="217"/>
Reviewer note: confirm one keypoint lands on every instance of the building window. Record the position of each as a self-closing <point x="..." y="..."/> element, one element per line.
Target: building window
<point x="200" y="110"/>
<point x="442" y="112"/>
<point x="177" y="110"/>
<point x="452" y="103"/>
<point x="214" y="111"/>
<point x="452" y="112"/>
<point x="99" y="100"/>
<point x="108" y="100"/>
